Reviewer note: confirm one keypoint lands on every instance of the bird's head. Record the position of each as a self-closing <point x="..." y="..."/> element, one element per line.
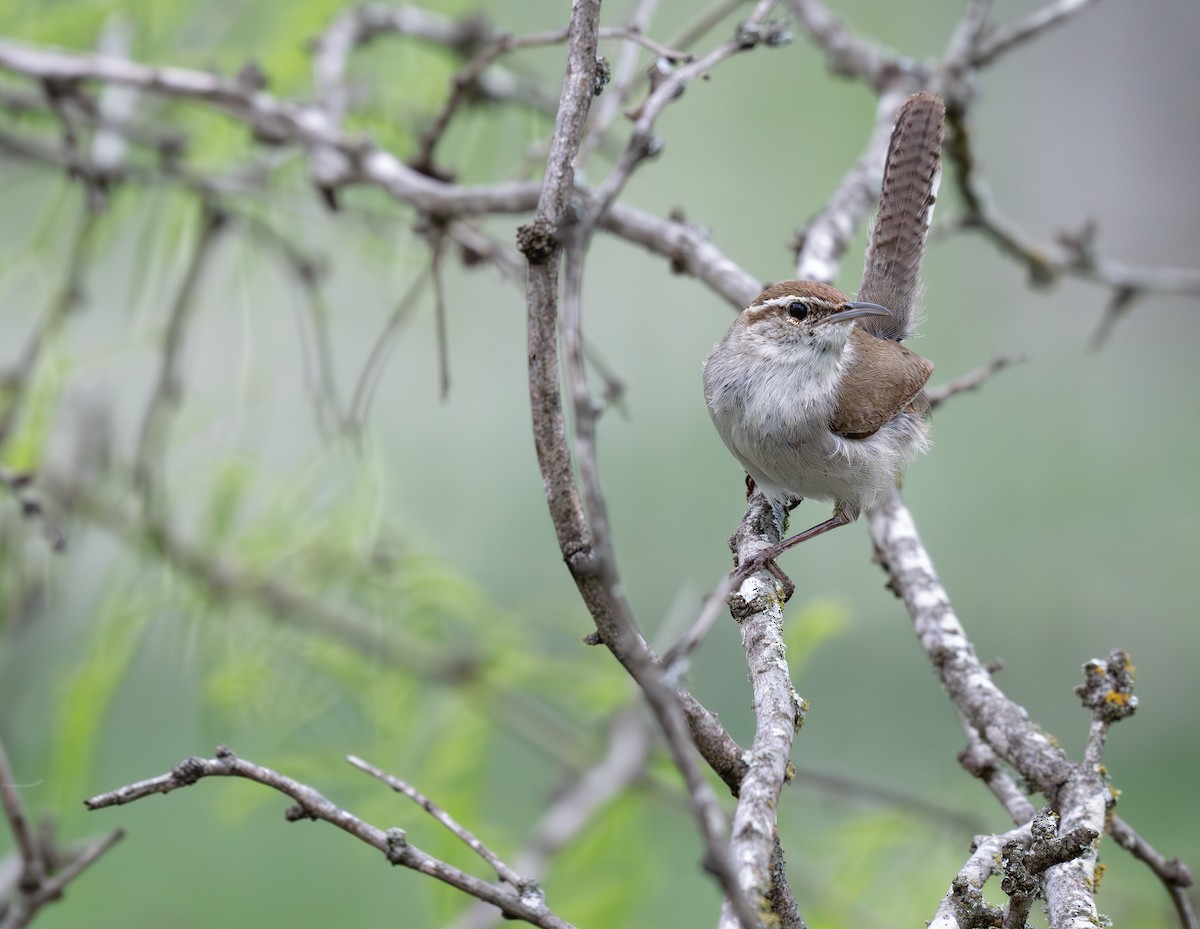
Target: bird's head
<point x="805" y="314"/>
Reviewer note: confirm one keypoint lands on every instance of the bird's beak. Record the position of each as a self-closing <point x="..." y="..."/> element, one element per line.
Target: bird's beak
<point x="857" y="311"/>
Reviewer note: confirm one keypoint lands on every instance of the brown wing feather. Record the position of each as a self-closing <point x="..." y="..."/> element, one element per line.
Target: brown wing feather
<point x="893" y="262"/>
<point x="884" y="378"/>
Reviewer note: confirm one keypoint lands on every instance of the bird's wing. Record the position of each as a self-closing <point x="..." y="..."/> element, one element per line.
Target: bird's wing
<point x="883" y="378"/>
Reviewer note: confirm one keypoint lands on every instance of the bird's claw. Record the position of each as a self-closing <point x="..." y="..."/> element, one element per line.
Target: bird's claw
<point x="764" y="559"/>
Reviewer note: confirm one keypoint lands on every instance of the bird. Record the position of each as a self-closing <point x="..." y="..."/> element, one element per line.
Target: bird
<point x="812" y="391"/>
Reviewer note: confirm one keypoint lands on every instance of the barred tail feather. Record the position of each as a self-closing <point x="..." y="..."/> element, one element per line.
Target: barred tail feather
<point x="891" y="276"/>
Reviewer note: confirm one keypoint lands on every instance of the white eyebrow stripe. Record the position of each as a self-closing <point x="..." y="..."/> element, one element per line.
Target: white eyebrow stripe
<point x="786" y="299"/>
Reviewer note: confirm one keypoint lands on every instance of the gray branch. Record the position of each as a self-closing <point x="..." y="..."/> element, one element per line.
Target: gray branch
<point x="529" y="906"/>
<point x="28" y="882"/>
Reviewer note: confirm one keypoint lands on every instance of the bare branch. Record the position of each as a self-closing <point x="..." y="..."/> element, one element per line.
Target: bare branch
<point x="820" y="246"/>
<point x="674" y="662"/>
<point x="575" y="806"/>
<point x="503" y="871"/>
<point x="587" y="555"/>
<point x="1108" y="692"/>
<point x="1173" y="873"/>
<point x="1075" y="254"/>
<point x="642" y="144"/>
<point x="1024" y="864"/>
<point x="1001" y="40"/>
<point x="282" y="601"/>
<point x="18" y="379"/>
<point x="980" y="760"/>
<point x="31" y="864"/>
<point x="168" y="389"/>
<point x="621" y="84"/>
<point x="1077" y="792"/>
<point x="757" y="605"/>
<point x="372" y="370"/>
<point x="845" y="53"/>
<point x="715" y="744"/>
<point x="706" y="20"/>
<point x="310" y="804"/>
<point x="437" y="238"/>
<point x="22" y="487"/>
<point x="964" y="904"/>
<point x="966" y="36"/>
<point x="38" y="880"/>
<point x="688" y="248"/>
<point x="973" y="380"/>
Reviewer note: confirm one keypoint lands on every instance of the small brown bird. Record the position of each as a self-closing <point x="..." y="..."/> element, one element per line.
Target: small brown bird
<point x="813" y="392"/>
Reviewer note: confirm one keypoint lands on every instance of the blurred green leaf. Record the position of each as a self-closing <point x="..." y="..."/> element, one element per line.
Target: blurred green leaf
<point x="89" y="688"/>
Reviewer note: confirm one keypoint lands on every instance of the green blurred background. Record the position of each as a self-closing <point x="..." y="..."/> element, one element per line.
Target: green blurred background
<point x="1060" y="503"/>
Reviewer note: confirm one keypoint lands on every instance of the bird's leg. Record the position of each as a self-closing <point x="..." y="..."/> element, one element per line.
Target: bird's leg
<point x="765" y="558"/>
<point x="837" y="519"/>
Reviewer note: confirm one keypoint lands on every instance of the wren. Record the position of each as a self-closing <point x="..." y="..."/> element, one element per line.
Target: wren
<point x="812" y="391"/>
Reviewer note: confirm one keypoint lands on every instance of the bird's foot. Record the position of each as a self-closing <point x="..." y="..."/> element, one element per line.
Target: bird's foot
<point x="764" y="559"/>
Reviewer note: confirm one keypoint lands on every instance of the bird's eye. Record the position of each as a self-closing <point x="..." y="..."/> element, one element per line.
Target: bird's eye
<point x="797" y="309"/>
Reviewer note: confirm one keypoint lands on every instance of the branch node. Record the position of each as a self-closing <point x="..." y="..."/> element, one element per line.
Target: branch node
<point x="971" y="910"/>
<point x="773" y="34"/>
<point x="537" y="241"/>
<point x="1107" y="689"/>
<point x="603" y="75"/>
<point x="397" y="845"/>
<point x="297" y="812"/>
<point x="190" y="770"/>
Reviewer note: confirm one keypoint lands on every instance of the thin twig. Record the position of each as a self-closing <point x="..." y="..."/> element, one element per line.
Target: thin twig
<point x="621" y="84"/>
<point x="972" y="380"/>
<point x="465" y="80"/>
<point x="1174" y="874"/>
<point x="31" y="864"/>
<point x="17" y="381"/>
<point x="845" y="53"/>
<point x="22" y="486"/>
<point x="980" y="760"/>
<point x="1001" y="40"/>
<point x="642" y="144"/>
<point x="966" y="36"/>
<point x="167" y="394"/>
<point x="629" y="738"/>
<point x="674" y="660"/>
<point x="503" y="871"/>
<point x="437" y="251"/>
<point x="824" y="240"/>
<point x="706" y="20"/>
<point x="1075" y="254"/>
<point x="372" y="370"/>
<point x="311" y="805"/>
<point x="40" y="880"/>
